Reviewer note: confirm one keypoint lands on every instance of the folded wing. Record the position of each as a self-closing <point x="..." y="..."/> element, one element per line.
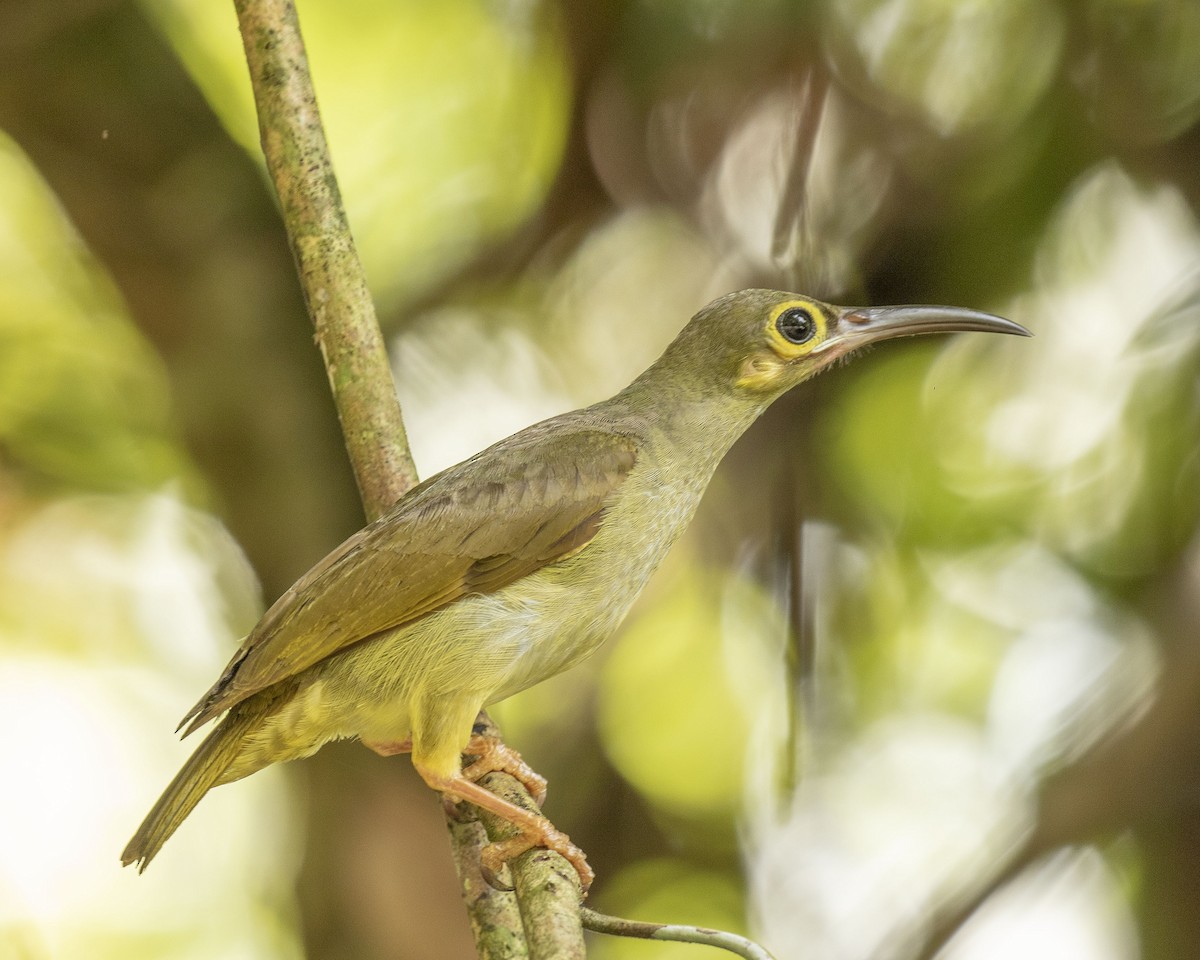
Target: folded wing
<point x="474" y="528"/>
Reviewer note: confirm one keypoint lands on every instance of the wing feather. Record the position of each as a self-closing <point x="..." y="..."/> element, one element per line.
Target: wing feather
<point x="474" y="528"/>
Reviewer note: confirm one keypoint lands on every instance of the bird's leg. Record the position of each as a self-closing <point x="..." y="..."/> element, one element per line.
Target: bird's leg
<point x="494" y="755"/>
<point x="536" y="830"/>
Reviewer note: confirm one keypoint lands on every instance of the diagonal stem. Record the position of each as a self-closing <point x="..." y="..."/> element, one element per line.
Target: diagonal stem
<point x="331" y="275"/>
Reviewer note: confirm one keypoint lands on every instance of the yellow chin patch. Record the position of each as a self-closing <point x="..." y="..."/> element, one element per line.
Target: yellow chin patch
<point x="761" y="371"/>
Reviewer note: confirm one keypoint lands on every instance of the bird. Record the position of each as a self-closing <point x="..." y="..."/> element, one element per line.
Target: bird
<point x="510" y="567"/>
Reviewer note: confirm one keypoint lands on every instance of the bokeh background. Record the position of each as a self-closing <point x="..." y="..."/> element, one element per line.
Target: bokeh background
<point x="927" y="661"/>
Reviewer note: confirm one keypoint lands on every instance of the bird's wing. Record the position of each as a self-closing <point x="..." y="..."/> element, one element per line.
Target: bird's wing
<point x="474" y="528"/>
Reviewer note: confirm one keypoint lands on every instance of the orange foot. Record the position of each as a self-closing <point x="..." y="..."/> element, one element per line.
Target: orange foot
<point x="495" y="855"/>
<point x="494" y="755"/>
<point x="536" y="830"/>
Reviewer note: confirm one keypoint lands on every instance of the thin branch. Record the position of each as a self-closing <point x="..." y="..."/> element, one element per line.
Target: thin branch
<point x="547" y="886"/>
<point x="494" y="914"/>
<point x="331" y="275"/>
<point x="351" y="343"/>
<point x="680" y="932"/>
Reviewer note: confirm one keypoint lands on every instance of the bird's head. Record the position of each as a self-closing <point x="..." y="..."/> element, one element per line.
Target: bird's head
<point x="761" y="343"/>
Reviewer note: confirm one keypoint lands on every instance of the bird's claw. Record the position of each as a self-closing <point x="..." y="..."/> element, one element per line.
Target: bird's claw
<point x="495" y="756"/>
<point x="495" y="856"/>
<point x="458" y="810"/>
<point x="493" y="872"/>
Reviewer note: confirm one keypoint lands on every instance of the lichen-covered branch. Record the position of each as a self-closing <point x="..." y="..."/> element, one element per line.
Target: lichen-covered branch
<point x="331" y="274"/>
<point x="547" y="886"/>
<point x="494" y="914"/>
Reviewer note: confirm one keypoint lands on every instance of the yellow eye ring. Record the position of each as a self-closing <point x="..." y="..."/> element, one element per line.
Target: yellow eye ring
<point x="796" y="327"/>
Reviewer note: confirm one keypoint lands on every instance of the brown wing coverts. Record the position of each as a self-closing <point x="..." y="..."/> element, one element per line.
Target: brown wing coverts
<point x="474" y="528"/>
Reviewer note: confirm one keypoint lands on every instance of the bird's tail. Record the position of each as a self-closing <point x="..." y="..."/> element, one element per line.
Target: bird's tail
<point x="200" y="773"/>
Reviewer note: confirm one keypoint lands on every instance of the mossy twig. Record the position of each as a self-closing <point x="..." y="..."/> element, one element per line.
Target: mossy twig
<point x="331" y="275"/>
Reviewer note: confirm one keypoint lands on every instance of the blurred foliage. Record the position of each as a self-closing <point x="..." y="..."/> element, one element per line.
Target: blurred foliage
<point x="1138" y="70"/>
<point x="478" y="131"/>
<point x="936" y="604"/>
<point x="83" y="400"/>
<point x="713" y="636"/>
<point x="951" y="63"/>
<point x="657" y="888"/>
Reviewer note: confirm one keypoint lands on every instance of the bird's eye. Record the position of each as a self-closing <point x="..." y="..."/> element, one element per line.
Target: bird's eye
<point x="796" y="325"/>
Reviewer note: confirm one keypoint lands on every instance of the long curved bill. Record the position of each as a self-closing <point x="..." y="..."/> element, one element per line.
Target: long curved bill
<point x="859" y="326"/>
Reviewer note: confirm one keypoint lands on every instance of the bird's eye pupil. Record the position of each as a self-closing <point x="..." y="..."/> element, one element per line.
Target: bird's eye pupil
<point x="796" y="325"/>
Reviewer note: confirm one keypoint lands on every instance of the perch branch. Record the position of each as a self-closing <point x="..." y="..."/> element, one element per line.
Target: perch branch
<point x="547" y="886"/>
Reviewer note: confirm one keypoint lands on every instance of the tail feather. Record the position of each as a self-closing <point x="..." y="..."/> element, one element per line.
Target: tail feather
<point x="199" y="774"/>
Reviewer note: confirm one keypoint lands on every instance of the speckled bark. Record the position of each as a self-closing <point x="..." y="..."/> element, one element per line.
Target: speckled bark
<point x="494" y="914"/>
<point x="547" y="886"/>
<point x="331" y="275"/>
